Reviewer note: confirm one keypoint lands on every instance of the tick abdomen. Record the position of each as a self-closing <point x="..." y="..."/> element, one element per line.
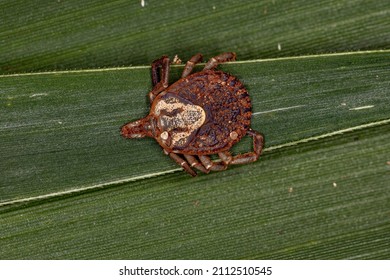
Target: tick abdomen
<point x="227" y="108"/>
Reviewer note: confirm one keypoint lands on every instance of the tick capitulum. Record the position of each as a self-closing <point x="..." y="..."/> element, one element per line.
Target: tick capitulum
<point x="201" y="114"/>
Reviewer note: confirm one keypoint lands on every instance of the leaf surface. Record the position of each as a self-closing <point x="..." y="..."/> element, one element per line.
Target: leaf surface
<point x="320" y="190"/>
<point x="59" y="35"/>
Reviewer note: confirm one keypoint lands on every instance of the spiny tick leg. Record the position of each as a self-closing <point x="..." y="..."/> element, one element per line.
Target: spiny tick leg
<point x="216" y="60"/>
<point x="191" y="64"/>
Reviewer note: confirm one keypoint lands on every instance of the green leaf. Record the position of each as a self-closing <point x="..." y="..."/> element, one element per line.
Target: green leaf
<point x="71" y="187"/>
<point x="90" y="34"/>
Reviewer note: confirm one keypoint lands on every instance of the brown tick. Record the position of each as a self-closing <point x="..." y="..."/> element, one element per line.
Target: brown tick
<point x="201" y="114"/>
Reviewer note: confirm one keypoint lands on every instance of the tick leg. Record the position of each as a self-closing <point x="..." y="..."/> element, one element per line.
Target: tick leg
<point x="195" y="163"/>
<point x="226" y="157"/>
<point x="191" y="64"/>
<point x="161" y="62"/>
<point x="258" y="144"/>
<point x="182" y="163"/>
<point x="211" y="165"/>
<point x="224" y="57"/>
<point x="159" y="80"/>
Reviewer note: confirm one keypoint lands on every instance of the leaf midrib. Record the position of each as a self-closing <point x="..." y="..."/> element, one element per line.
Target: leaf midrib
<point x="162" y="173"/>
<point x="125" y="68"/>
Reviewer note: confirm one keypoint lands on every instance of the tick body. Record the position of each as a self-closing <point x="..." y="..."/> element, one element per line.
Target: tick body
<point x="201" y="114"/>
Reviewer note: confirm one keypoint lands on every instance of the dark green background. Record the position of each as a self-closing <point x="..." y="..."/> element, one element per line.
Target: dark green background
<point x="72" y="188"/>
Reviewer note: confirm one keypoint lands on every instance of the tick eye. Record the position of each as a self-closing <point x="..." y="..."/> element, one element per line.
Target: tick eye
<point x="164" y="135"/>
<point x="166" y="138"/>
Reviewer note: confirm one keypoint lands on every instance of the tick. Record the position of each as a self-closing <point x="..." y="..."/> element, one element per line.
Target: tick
<point x="201" y="114"/>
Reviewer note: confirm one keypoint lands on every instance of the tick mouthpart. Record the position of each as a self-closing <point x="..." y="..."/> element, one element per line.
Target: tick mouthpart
<point x="138" y="129"/>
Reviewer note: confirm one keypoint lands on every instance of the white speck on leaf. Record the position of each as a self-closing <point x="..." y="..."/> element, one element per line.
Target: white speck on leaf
<point x="278" y="109"/>
<point x="38" y="94"/>
<point x="361" y="108"/>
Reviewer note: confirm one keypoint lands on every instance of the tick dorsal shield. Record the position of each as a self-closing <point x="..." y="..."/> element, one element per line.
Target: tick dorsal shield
<point x="178" y="120"/>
